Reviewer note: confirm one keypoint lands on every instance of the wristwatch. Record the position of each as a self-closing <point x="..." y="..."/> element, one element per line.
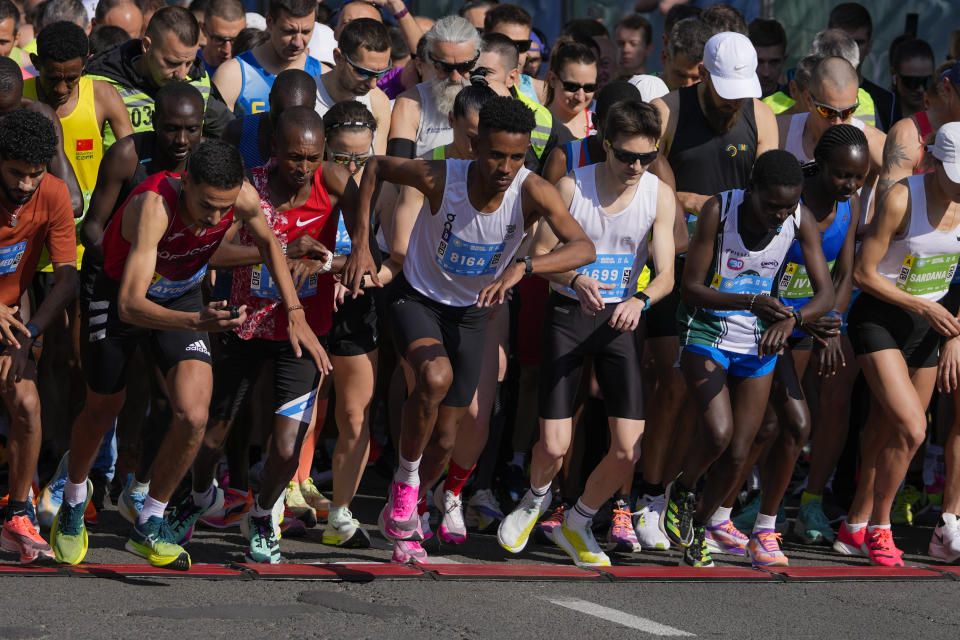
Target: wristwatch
<point x="528" y="269"/>
<point x="640" y="295"/>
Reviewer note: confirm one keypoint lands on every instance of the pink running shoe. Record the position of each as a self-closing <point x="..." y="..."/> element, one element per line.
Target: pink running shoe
<point x="398" y="519"/>
<point x="725" y="538"/>
<point x="236" y="504"/>
<point x="408" y="551"/>
<point x="764" y="549"/>
<point x="851" y="543"/>
<point x="882" y="549"/>
<point x="20" y="536"/>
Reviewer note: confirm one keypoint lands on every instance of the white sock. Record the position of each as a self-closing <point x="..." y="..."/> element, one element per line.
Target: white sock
<point x="139" y="487"/>
<point x="872" y="527"/>
<point x="204" y="498"/>
<point x="74" y="494"/>
<point x="151" y="507"/>
<point x="853" y="528"/>
<point x="408" y="472"/>
<point x="579" y="516"/>
<point x="764" y="522"/>
<point x="519" y="459"/>
<point x="256" y="511"/>
<point x="540" y="492"/>
<point x="721" y="515"/>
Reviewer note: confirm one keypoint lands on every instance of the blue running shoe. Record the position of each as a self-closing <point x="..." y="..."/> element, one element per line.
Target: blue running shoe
<point x="264" y="543"/>
<point x="131" y="502"/>
<point x="52" y="495"/>
<point x="185" y="515"/>
<point x="68" y="535"/>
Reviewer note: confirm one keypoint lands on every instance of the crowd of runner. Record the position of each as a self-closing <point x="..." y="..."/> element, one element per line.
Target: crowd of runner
<point x="245" y="254"/>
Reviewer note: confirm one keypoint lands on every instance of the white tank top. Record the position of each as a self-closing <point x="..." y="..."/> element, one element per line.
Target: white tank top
<point x="325" y="102"/>
<point x="923" y="260"/>
<point x="738" y="270"/>
<point x="620" y="239"/>
<point x="434" y="129"/>
<point x="794" y="142"/>
<point x="456" y="252"/>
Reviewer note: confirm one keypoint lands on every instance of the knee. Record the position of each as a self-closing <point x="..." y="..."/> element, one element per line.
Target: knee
<point x="103" y="408"/>
<point x="768" y="429"/>
<point x="286" y="450"/>
<point x="434" y="381"/>
<point x="554" y="448"/>
<point x="352" y="421"/>
<point x="717" y="438"/>
<point x="914" y="432"/>
<point x="216" y="434"/>
<point x="626" y="457"/>
<point x="798" y="427"/>
<point x="26" y="409"/>
<point x="193" y="418"/>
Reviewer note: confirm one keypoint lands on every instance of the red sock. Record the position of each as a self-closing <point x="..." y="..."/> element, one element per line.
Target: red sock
<point x="456" y="477"/>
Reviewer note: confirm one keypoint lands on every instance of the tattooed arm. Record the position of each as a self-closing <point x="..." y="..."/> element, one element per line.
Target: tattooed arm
<point x="902" y="153"/>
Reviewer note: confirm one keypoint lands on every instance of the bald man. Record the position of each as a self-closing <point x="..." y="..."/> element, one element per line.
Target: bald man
<point x="120" y="13"/>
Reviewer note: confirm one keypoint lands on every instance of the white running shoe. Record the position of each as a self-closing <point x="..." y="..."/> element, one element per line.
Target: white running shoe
<point x="343" y="530"/>
<point x="514" y="531"/>
<point x="945" y="542"/>
<point x="482" y="510"/>
<point x="452" y="527"/>
<point x="646" y="521"/>
<point x="580" y="545"/>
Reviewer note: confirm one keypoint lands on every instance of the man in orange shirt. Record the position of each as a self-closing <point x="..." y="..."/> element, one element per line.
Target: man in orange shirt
<point x="35" y="213"/>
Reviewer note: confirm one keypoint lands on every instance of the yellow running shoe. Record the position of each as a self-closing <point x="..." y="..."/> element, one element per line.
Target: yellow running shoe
<point x="580" y="545"/>
<point x="68" y="535"/>
<point x="317" y="501"/>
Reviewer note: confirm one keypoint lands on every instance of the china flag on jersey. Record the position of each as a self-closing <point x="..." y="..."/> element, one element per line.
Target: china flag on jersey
<point x="85" y="145"/>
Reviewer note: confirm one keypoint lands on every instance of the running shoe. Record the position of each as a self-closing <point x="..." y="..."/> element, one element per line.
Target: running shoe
<point x="516" y="483"/>
<point x="405" y="551"/>
<point x="264" y="543"/>
<point x="424" y="532"/>
<point x="154" y="541"/>
<point x="90" y="514"/>
<point x="945" y="542"/>
<point x="882" y="549"/>
<point x="68" y="535"/>
<point x="697" y="554"/>
<point x="343" y="530"/>
<point x="235" y="506"/>
<point x="32" y="507"/>
<point x="581" y="546"/>
<point x="317" y="501"/>
<point x="934" y="493"/>
<point x="298" y="506"/>
<point x="452" y="527"/>
<point x="764" y="549"/>
<point x="646" y="523"/>
<point x="622" y="537"/>
<point x="290" y="525"/>
<point x="851" y="543"/>
<point x="52" y="494"/>
<point x="748" y="515"/>
<point x="908" y="501"/>
<point x="398" y="519"/>
<point x="543" y="531"/>
<point x="100" y="487"/>
<point x="131" y="502"/>
<point x="812" y="525"/>
<point x="676" y="519"/>
<point x="482" y="510"/>
<point x="514" y="530"/>
<point x="20" y="536"/>
<point x="184" y="516"/>
<point x="726" y="538"/>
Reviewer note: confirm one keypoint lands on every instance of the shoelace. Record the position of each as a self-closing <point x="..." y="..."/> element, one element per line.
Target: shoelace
<point x="882" y="540"/>
<point x="556" y="517"/>
<point x="731" y="529"/>
<point x="402" y="502"/>
<point x="24" y="527"/>
<point x="621" y="521"/>
<point x="686" y="509"/>
<point x="264" y="527"/>
<point x="74" y="518"/>
<point x="770" y="541"/>
<point x="455" y="504"/>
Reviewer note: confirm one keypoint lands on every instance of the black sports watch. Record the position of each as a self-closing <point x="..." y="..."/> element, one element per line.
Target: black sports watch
<point x="528" y="261"/>
<point x="640" y="295"/>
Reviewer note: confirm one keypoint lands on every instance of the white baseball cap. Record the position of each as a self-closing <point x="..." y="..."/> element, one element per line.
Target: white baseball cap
<point x="731" y="61"/>
<point x="947" y="149"/>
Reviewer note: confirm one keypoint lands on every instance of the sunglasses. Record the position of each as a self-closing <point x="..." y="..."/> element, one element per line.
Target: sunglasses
<point x="463" y="68"/>
<point x="629" y="157"/>
<point x="573" y="87"/>
<point x="522" y="45"/>
<point x="827" y="112"/>
<point x="345" y="159"/>
<point x="915" y="82"/>
<point x="219" y="41"/>
<point x="363" y="72"/>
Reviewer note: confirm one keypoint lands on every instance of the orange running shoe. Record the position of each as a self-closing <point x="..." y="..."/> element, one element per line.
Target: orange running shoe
<point x="764" y="549"/>
<point x="882" y="549"/>
<point x="20" y="536"/>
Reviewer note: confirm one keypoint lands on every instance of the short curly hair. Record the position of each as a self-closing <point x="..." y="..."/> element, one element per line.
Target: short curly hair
<point x="217" y="164"/>
<point x="776" y="168"/>
<point x="27" y="136"/>
<point x="506" y="114"/>
<point x="62" y="41"/>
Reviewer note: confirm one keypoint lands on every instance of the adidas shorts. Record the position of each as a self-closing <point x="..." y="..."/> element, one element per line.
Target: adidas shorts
<point x="107" y="344"/>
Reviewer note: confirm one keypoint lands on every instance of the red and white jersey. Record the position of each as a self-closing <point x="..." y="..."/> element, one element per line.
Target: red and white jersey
<point x="182" y="255"/>
<point x="255" y="287"/>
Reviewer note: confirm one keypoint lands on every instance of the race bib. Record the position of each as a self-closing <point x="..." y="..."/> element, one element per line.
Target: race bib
<point x="165" y="289"/>
<point x="263" y="286"/>
<point x="749" y="283"/>
<point x="610" y="268"/>
<point x="920" y="276"/>
<point x="463" y="258"/>
<point x="11" y="256"/>
<point x="691" y="222"/>
<point x="343" y="245"/>
<point x="795" y="282"/>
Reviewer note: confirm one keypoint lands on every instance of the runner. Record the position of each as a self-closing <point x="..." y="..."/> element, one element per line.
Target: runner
<point x="37" y="215"/>
<point x="905" y="266"/>
<point x="156" y="248"/>
<point x="593" y="312"/>
<point x="732" y="330"/>
<point x="458" y="263"/>
<point x="223" y="20"/>
<point x="571" y="85"/>
<point x="299" y="193"/>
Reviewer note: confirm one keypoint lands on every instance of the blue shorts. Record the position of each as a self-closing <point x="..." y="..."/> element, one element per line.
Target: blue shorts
<point x="741" y="365"/>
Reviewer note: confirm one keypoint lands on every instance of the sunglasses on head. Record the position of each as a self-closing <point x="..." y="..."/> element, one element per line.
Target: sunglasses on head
<point x="629" y="157"/>
<point x="915" y="82"/>
<point x="826" y="111"/>
<point x="573" y="87"/>
<point x="463" y="68"/>
<point x="363" y="72"/>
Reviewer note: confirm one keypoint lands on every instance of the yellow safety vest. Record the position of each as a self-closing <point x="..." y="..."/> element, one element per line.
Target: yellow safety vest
<point x="867" y="111"/>
<point x="541" y="132"/>
<point x="779" y="102"/>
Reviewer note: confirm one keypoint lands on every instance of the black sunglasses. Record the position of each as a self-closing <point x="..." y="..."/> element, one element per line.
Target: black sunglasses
<point x="463" y="68"/>
<point x="915" y="82"/>
<point x="573" y="87"/>
<point x="363" y="72"/>
<point x="522" y="45"/>
<point x="629" y="157"/>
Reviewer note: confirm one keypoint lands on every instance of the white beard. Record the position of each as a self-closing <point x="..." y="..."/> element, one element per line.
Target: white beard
<point x="445" y="92"/>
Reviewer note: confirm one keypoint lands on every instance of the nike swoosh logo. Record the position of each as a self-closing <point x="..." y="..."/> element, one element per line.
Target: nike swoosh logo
<point x="738" y="67"/>
<point x="303" y="223"/>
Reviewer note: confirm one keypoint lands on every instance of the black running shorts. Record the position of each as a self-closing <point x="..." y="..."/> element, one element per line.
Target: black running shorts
<point x="570" y="336"/>
<point x="355" y="330"/>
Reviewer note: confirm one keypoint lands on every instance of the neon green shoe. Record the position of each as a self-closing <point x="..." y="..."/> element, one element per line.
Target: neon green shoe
<point x="580" y="545"/>
<point x="153" y="540"/>
<point x="68" y="535"/>
<point x="909" y="500"/>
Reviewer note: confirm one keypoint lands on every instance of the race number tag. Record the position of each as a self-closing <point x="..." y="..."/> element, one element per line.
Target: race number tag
<point x="343" y="245"/>
<point x="463" y="258"/>
<point x="795" y="282"/>
<point x="610" y="268"/>
<point x="749" y="283"/>
<point x="920" y="276"/>
<point x="11" y="256"/>
<point x="263" y="286"/>
<point x="165" y="289"/>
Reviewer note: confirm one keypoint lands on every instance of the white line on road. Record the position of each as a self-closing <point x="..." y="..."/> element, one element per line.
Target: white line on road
<point x="620" y="617"/>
